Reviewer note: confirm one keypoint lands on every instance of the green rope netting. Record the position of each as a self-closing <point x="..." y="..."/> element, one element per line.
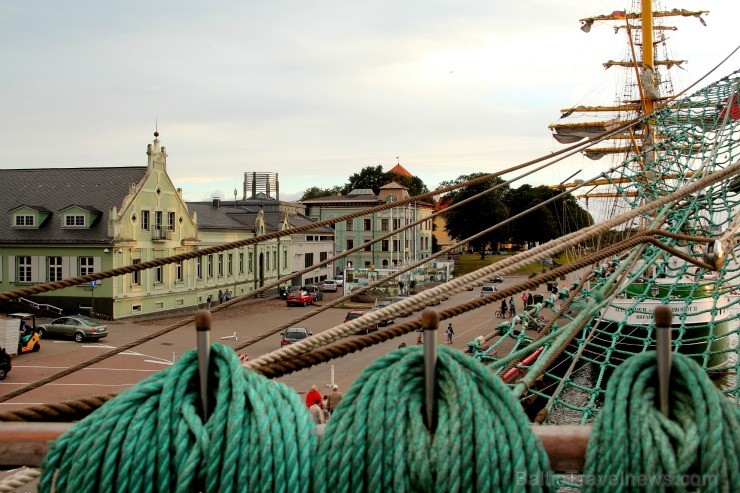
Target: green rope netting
<point x="376" y="440"/>
<point x="633" y="447"/>
<point x="152" y="438"/>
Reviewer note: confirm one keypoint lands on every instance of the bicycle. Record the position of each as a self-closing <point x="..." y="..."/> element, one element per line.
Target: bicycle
<point x="499" y="314"/>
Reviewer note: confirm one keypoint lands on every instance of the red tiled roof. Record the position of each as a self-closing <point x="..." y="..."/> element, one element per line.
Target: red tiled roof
<point x="400" y="170"/>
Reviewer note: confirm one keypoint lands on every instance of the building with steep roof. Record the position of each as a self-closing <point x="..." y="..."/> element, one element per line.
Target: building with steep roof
<point x="64" y="223"/>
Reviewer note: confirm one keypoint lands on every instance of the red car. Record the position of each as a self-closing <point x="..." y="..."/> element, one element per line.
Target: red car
<point x="353" y="314"/>
<point x="299" y="297"/>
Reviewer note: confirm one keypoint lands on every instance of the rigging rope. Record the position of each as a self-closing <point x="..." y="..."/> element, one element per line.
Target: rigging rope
<point x="376" y="440"/>
<point x="151" y="437"/>
<point x="631" y="440"/>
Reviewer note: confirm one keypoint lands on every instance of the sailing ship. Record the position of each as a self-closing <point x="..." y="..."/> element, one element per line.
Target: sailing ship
<point x="658" y="143"/>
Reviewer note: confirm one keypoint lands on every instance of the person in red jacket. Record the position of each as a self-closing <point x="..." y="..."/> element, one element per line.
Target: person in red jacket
<point x="313" y="397"/>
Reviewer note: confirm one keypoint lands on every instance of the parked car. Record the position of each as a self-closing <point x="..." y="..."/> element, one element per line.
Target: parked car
<point x="487" y="289"/>
<point x="498" y="280"/>
<point x="79" y="327"/>
<point x="299" y="297"/>
<point x="339" y="280"/>
<point x="329" y="285"/>
<point x="379" y="306"/>
<point x="315" y="291"/>
<point x="294" y="334"/>
<point x="353" y="314"/>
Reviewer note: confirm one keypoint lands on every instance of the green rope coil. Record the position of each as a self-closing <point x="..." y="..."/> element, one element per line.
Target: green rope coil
<point x="633" y="447"/>
<point x="152" y="438"/>
<point x="376" y="440"/>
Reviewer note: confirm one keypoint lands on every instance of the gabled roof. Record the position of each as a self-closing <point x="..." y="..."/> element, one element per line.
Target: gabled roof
<point x="394" y="186"/>
<point x="56" y="189"/>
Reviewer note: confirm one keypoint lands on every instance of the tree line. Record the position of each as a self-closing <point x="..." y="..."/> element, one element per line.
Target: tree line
<point x="544" y="224"/>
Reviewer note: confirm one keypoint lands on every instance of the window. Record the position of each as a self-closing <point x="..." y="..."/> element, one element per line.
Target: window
<point x="86" y="266"/>
<point x="323" y="256"/>
<point x="308" y="260"/>
<point x="178" y="271"/>
<point x="367" y="224"/>
<point x="368" y="248"/>
<point x="74" y="220"/>
<point x="350" y="244"/>
<point x="199" y="267"/>
<point x="158" y="274"/>
<point x="350" y="225"/>
<point x="158" y="219"/>
<point x="396" y="223"/>
<point x="220" y="264"/>
<point x="396" y="246"/>
<point x="384" y="224"/>
<point x="384" y="244"/>
<point x="367" y="264"/>
<point x="55" y="269"/>
<point x="24" y="269"/>
<point x="230" y="264"/>
<point x="285" y="258"/>
<point x="267" y="260"/>
<point x="24" y="220"/>
<point x="210" y="265"/>
<point x="171" y="221"/>
<point x="241" y="263"/>
<point x="250" y="262"/>
<point x="145" y="220"/>
<point x="274" y="260"/>
<point x="136" y="276"/>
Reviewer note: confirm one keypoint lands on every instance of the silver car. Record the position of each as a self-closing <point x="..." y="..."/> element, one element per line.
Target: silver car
<point x="79" y="327"/>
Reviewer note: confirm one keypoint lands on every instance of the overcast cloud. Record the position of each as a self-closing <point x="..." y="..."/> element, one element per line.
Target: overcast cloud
<point x="312" y="90"/>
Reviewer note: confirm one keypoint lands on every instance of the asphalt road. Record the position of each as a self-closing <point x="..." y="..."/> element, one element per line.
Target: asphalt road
<point x="246" y="320"/>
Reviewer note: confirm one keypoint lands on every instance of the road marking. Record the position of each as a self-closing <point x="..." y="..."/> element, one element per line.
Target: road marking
<point x="163" y="362"/>
<point x="96" y="369"/>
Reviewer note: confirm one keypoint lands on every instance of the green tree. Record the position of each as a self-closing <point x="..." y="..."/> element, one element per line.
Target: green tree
<point x="479" y="214"/>
<point x="316" y="192"/>
<point x="371" y="177"/>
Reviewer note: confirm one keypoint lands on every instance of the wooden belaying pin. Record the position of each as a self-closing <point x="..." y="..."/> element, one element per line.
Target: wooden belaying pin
<point x="663" y="317"/>
<point x="203" y="328"/>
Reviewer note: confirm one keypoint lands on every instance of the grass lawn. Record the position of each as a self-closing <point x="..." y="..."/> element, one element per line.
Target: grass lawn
<point x="470" y="262"/>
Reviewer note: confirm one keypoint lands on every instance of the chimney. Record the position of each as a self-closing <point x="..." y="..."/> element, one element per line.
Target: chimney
<point x="216" y="202"/>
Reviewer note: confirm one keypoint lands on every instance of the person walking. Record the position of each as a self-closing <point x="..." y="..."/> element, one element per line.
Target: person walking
<point x="512" y="306"/>
<point x="530" y="300"/>
<point x="450" y="333"/>
<point x="313" y="397"/>
<point x="317" y="414"/>
<point x="524" y="299"/>
<point x="210" y="300"/>
<point x="334" y="399"/>
<point x="220" y="296"/>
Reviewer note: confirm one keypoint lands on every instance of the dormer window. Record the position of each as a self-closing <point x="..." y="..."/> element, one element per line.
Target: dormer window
<point x="25" y="220"/>
<point x="74" y="220"/>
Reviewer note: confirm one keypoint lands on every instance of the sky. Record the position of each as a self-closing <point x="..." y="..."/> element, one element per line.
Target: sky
<point x="314" y="91"/>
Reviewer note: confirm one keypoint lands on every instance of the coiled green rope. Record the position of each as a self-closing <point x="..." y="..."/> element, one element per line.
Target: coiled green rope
<point x="633" y="447"/>
<point x="376" y="440"/>
<point x="259" y="436"/>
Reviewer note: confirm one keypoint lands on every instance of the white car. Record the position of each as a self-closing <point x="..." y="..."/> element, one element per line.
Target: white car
<point x="329" y="285"/>
<point x="339" y="281"/>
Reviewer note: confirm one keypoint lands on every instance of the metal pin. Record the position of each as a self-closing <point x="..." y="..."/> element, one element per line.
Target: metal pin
<point x="430" y="324"/>
<point x="663" y="317"/>
<point x="203" y="328"/>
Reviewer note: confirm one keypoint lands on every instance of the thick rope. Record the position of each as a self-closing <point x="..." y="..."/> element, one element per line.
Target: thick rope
<point x="152" y="438"/>
<point x="376" y="440"/>
<point x="631" y="441"/>
<point x="18" y="479"/>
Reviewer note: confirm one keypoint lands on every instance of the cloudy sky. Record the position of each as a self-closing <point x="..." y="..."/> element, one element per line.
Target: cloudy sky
<point x="314" y="91"/>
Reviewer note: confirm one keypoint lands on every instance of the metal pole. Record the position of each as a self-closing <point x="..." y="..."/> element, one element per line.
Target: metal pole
<point x="203" y="327"/>
<point x="430" y="324"/>
<point x="663" y="317"/>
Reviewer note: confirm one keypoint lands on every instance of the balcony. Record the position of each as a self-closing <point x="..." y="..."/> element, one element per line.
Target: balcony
<point x="161" y="234"/>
